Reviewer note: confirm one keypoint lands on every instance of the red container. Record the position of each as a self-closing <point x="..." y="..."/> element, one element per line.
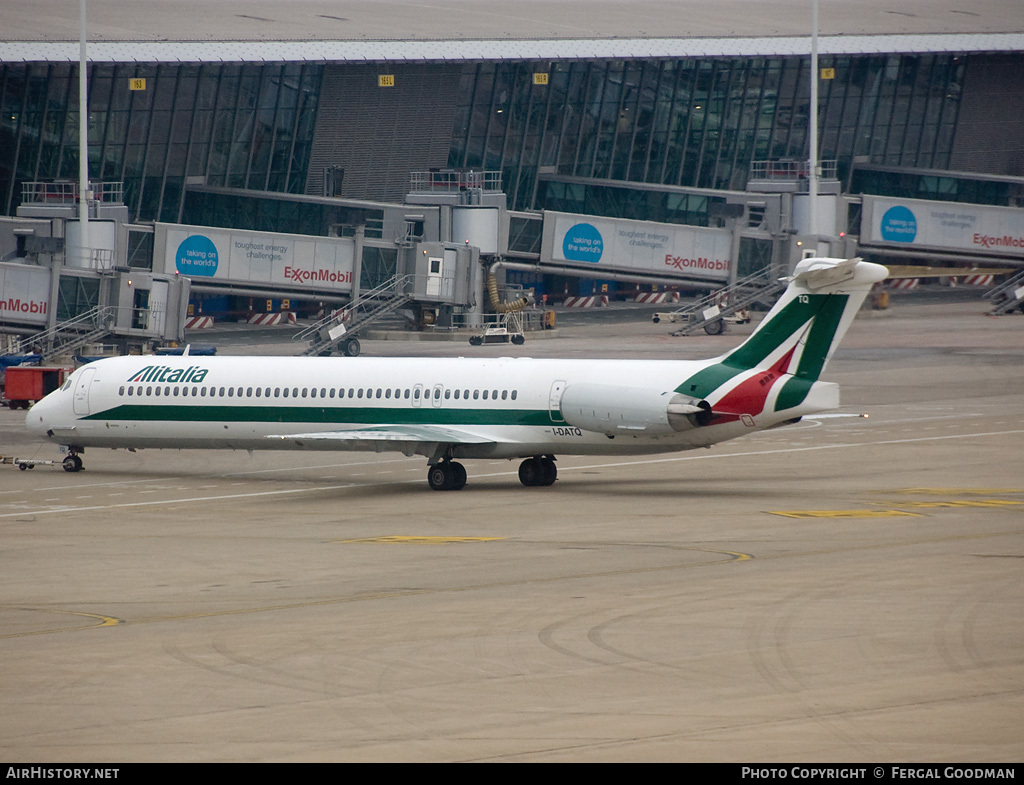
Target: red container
<point x="24" y="385"/>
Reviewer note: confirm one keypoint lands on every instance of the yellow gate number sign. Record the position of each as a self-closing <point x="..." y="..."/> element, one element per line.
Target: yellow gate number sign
<point x="386" y="80"/>
<point x="540" y="78"/>
<point x="828" y="73"/>
<point x="136" y="84"/>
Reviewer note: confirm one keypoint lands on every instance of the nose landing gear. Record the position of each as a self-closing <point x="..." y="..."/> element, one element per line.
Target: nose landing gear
<point x="73" y="463"/>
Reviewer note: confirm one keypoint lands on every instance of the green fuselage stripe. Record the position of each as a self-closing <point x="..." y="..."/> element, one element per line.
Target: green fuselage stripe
<point x="325" y="415"/>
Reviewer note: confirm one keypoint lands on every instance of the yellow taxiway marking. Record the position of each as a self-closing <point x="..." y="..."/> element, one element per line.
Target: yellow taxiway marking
<point x="954" y="491"/>
<point x="989" y="503"/>
<point x="404" y="539"/>
<point x="103" y="621"/>
<point x="844" y="513"/>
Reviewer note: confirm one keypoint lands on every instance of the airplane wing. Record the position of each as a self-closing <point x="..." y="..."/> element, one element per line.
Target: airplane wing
<point x="387" y="435"/>
<point x="920" y="271"/>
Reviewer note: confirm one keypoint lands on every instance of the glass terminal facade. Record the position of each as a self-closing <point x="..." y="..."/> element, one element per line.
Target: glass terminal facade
<point x="691" y="122"/>
<point x="238" y="125"/>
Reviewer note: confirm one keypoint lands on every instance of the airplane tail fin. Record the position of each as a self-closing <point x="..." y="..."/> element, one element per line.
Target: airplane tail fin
<point x="793" y="343"/>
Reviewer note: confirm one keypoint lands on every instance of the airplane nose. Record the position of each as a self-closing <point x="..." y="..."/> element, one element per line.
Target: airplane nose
<point x="37" y="419"/>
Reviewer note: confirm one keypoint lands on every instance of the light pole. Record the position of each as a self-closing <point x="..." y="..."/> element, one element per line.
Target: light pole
<point x="84" y="194"/>
<point x="812" y="179"/>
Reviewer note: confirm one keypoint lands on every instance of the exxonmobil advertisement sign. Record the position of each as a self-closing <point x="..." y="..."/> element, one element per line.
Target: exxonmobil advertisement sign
<point x="258" y="258"/>
<point x="980" y="229"/>
<point x="622" y="245"/>
<point x="24" y="293"/>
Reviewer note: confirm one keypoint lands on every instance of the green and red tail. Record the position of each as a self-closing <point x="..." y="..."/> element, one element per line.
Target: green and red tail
<point x="776" y="369"/>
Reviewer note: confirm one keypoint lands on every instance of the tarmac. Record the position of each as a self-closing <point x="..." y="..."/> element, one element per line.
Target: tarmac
<point x="845" y="589"/>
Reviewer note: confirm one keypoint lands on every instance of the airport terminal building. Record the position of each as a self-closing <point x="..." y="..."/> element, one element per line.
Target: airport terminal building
<point x="691" y="111"/>
<point x="648" y="111"/>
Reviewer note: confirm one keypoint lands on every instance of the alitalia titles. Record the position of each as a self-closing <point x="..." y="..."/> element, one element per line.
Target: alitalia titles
<point x="164" y="373"/>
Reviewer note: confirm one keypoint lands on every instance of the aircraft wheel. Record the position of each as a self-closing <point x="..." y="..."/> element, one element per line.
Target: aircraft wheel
<point x="549" y="472"/>
<point x="72" y="464"/>
<point x="476" y="340"/>
<point x="531" y="472"/>
<point x="441" y="477"/>
<point x="351" y="347"/>
<point x="717" y="327"/>
<point x="518" y="340"/>
<point x="458" y="476"/>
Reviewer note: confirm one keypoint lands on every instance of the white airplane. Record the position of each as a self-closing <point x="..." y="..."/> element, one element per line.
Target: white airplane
<point x="446" y="409"/>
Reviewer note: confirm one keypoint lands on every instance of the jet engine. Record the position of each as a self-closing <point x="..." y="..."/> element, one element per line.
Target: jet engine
<point x="615" y="410"/>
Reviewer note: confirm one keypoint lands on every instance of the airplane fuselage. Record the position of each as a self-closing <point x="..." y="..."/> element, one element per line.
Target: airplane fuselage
<point x="453" y="408"/>
<point x="253" y="403"/>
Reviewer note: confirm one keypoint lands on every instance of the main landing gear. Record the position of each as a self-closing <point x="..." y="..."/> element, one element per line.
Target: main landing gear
<point x="538" y="471"/>
<point x="448" y="475"/>
<point x="73" y="463"/>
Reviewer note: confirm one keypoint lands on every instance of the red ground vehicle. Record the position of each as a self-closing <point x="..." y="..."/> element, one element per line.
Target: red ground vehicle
<point x="26" y="384"/>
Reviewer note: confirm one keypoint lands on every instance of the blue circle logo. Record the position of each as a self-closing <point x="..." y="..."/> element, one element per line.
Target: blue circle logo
<point x="899" y="225"/>
<point x="197" y="255"/>
<point x="583" y="243"/>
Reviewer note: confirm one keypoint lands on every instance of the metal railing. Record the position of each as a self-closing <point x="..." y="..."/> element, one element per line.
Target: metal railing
<point x="725" y="302"/>
<point x="390" y="287"/>
<point x="72" y="333"/>
<point x="324" y="336"/>
<point x="789" y="170"/>
<point x="90" y="258"/>
<point x="1007" y="295"/>
<point x="526" y="321"/>
<point x="453" y="181"/>
<point x="64" y="192"/>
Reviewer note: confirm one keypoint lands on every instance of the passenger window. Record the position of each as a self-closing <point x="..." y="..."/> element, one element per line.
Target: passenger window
<point x="285" y="392"/>
<point x="447" y="394"/>
<point x="513" y="395"/>
<point x="504" y="395"/>
<point x="485" y="395"/>
<point x="476" y="395"/>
